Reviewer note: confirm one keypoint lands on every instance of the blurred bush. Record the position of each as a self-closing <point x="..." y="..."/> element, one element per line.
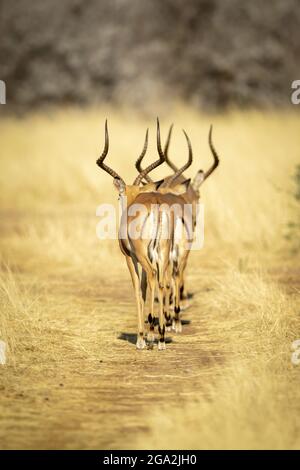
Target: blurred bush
<point x="210" y="53"/>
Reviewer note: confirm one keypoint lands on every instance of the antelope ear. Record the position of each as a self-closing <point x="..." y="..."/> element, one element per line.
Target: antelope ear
<point x="186" y="183"/>
<point x="198" y="180"/>
<point x="158" y="183"/>
<point x="119" y="185"/>
<point x="181" y="188"/>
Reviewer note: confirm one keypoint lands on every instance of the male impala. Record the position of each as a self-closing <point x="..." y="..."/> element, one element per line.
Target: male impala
<point x="183" y="230"/>
<point x="149" y="246"/>
<point x="191" y="197"/>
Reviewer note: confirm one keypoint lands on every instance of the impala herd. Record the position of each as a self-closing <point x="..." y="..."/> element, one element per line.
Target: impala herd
<point x="156" y="232"/>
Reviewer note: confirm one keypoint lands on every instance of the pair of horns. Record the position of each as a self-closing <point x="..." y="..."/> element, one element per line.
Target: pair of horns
<point x="163" y="156"/>
<point x="143" y="174"/>
<point x="177" y="172"/>
<point x="174" y="167"/>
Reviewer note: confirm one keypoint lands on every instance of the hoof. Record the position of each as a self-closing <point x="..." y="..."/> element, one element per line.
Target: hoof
<point x="161" y="345"/>
<point x="141" y="343"/>
<point x="185" y="306"/>
<point x="150" y="337"/>
<point x="177" y="326"/>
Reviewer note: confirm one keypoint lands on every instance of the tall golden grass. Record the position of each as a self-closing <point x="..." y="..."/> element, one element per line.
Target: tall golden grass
<point x="228" y="381"/>
<point x="253" y="400"/>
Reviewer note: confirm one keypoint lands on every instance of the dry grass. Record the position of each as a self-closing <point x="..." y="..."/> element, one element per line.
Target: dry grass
<point x="254" y="403"/>
<point x="70" y="381"/>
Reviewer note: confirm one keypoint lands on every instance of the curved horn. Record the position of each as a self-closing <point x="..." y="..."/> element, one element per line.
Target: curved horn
<point x="166" y="150"/>
<point x="155" y="164"/>
<point x="167" y="160"/>
<point x="215" y="155"/>
<point x="139" y="160"/>
<point x="184" y="167"/>
<point x="103" y="156"/>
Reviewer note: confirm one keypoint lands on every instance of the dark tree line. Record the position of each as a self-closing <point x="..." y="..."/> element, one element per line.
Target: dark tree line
<point x="208" y="52"/>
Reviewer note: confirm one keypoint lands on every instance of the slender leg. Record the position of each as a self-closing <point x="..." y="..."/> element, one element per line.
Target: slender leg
<point x="151" y="317"/>
<point x="133" y="269"/>
<point x="148" y="282"/>
<point x="183" y="294"/>
<point x="178" y="279"/>
<point x="162" y="280"/>
<point x="143" y="291"/>
<point x="161" y="328"/>
<point x="177" y="322"/>
<point x="167" y="311"/>
<point x="184" y="303"/>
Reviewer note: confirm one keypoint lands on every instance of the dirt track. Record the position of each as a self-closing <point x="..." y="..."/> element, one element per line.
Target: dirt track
<point x="84" y="385"/>
<point x="74" y="378"/>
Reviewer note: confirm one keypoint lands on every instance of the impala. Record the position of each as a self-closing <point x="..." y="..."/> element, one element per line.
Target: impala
<point x="191" y="197"/>
<point x="183" y="229"/>
<point x="150" y="245"/>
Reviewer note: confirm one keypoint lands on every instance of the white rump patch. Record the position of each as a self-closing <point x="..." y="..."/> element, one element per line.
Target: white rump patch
<point x="179" y="230"/>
